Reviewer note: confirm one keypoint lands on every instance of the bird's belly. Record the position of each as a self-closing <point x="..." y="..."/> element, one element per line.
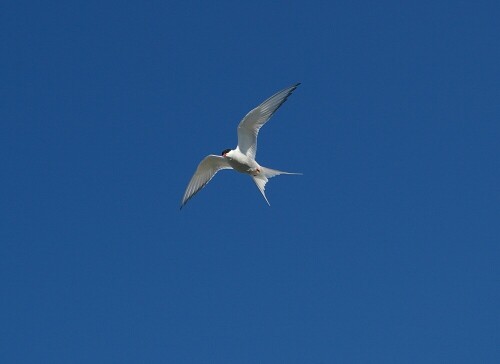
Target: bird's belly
<point x="241" y="167"/>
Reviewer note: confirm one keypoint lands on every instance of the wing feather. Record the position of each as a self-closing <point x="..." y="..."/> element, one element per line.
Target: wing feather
<point x="249" y="127"/>
<point x="206" y="170"/>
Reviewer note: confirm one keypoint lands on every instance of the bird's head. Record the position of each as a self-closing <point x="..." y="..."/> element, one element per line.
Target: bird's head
<point x="225" y="151"/>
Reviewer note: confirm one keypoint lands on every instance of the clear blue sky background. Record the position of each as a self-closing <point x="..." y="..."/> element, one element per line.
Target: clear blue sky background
<point x="386" y="250"/>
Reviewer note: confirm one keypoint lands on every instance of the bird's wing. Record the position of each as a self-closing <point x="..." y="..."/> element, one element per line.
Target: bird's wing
<point x="248" y="129"/>
<point x="207" y="168"/>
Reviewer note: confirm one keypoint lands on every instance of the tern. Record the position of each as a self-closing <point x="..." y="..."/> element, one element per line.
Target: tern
<point x="242" y="158"/>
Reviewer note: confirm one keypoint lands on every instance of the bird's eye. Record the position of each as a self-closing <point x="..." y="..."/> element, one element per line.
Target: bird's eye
<point x="225" y="151"/>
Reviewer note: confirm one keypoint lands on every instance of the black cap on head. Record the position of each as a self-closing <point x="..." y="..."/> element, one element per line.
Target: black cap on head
<point x="225" y="151"/>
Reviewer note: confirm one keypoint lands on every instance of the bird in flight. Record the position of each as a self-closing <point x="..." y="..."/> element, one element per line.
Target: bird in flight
<point x="242" y="158"/>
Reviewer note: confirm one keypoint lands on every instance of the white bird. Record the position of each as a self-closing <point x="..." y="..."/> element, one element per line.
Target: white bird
<point x="242" y="158"/>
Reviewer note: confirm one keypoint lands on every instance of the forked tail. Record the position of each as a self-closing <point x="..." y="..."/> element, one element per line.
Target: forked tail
<point x="262" y="178"/>
<point x="269" y="173"/>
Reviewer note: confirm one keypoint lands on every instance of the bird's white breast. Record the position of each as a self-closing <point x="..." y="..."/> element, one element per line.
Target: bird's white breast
<point x="241" y="163"/>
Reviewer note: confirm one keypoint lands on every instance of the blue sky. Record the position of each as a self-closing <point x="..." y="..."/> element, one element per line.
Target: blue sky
<point x="386" y="250"/>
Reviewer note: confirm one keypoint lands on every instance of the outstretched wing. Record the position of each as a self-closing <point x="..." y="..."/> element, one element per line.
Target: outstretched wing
<point x="249" y="127"/>
<point x="206" y="170"/>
